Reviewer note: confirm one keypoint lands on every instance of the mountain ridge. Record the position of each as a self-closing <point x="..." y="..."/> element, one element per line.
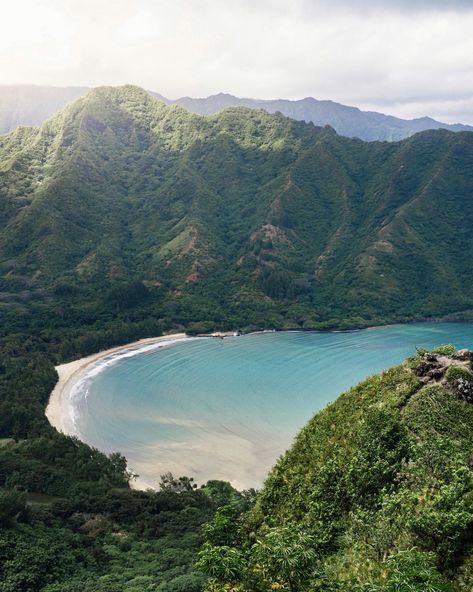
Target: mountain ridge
<point x="31" y="105"/>
<point x="346" y="120"/>
<point x="242" y="216"/>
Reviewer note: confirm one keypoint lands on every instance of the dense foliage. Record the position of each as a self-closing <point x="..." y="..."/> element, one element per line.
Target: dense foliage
<point x="122" y="208"/>
<point x="122" y="218"/>
<point x="376" y="494"/>
<point x="110" y="542"/>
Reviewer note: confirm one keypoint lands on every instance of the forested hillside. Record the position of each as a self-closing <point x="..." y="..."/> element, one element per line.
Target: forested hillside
<point x="121" y="203"/>
<point x="375" y="495"/>
<point x="123" y="218"/>
<point x="347" y="121"/>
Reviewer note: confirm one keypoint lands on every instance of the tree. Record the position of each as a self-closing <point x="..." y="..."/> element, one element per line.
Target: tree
<point x="12" y="506"/>
<point x="415" y="571"/>
<point x="177" y="485"/>
<point x="223" y="528"/>
<point x="225" y="565"/>
<point x="222" y="493"/>
<point x="285" y="556"/>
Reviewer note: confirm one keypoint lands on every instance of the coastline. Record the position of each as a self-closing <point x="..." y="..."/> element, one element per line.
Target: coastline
<point x="58" y="407"/>
<point x="71" y="376"/>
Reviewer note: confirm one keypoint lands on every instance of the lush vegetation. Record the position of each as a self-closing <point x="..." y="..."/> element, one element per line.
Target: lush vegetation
<point x="68" y="520"/>
<point x="122" y="218"/>
<point x="124" y="209"/>
<point x="110" y="542"/>
<point x="376" y="494"/>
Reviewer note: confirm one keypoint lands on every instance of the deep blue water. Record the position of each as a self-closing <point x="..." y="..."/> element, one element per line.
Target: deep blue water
<point x="226" y="409"/>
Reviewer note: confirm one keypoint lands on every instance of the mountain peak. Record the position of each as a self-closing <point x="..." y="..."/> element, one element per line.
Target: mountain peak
<point x="223" y="95"/>
<point x="125" y="92"/>
<point x="31" y="105"/>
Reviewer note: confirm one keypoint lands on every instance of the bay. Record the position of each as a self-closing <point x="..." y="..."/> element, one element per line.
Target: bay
<point x="226" y="409"/>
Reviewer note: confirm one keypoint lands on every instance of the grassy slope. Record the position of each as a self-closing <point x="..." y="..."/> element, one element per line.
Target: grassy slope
<point x="381" y="483"/>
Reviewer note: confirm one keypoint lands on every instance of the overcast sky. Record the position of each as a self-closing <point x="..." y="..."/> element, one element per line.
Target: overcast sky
<point x="405" y="57"/>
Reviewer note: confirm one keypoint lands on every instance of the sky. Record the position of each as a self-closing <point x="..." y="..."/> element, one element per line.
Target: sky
<point x="404" y="57"/>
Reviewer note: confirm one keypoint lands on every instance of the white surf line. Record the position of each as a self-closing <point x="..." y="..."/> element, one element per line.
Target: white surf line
<point x="60" y="408"/>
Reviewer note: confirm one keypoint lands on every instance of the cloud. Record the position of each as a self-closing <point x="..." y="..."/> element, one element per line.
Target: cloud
<point x="392" y="5"/>
<point x="405" y="57"/>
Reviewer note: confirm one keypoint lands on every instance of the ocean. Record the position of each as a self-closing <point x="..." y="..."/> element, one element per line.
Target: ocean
<point x="226" y="409"/>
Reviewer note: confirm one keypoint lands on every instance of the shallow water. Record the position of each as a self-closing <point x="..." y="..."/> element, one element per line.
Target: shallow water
<point x="226" y="409"/>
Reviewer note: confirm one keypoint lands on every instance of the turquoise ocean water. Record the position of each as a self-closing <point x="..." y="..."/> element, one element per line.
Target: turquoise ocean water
<point x="226" y="409"/>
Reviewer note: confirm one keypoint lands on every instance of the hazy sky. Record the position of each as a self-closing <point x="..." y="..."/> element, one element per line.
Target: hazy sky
<point x="405" y="57"/>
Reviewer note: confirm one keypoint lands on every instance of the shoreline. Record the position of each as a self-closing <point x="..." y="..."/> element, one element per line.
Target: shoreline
<point x="58" y="407"/>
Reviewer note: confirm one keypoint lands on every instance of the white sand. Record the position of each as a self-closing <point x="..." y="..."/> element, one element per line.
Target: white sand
<point x="212" y="449"/>
<point x="58" y="410"/>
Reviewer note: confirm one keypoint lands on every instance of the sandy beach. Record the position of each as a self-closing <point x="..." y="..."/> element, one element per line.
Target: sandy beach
<point x="58" y="409"/>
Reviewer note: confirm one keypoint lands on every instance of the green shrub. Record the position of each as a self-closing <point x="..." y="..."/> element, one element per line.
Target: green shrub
<point x="415" y="571"/>
<point x="12" y="507"/>
<point x="455" y="373"/>
<point x="444" y="350"/>
<point x="186" y="583"/>
<point x="415" y="361"/>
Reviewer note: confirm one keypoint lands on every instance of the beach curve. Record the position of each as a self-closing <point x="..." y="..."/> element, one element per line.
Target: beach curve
<point x="59" y="408"/>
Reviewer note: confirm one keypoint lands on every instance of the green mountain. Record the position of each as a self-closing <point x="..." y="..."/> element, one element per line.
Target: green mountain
<point x="121" y="203"/>
<point x="32" y="105"/>
<point x="347" y="121"/>
<point x="376" y="494"/>
<point x="122" y="218"/>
